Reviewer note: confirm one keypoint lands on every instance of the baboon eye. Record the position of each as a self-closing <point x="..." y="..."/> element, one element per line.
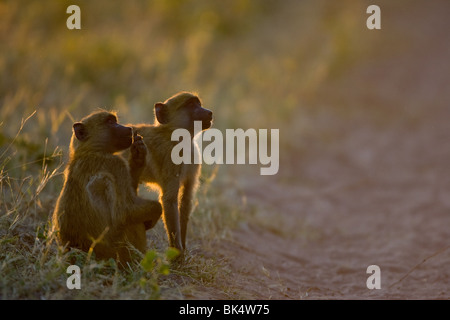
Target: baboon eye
<point x="193" y="105"/>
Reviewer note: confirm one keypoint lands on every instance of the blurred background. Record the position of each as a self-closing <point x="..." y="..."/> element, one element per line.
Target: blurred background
<point x="362" y="112"/>
<point x="257" y="64"/>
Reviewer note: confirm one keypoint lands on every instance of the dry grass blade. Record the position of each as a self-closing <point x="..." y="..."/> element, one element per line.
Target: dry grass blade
<point x="22" y="124"/>
<point x="418" y="265"/>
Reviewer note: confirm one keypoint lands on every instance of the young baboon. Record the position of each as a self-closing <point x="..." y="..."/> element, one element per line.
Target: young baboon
<point x="177" y="183"/>
<point x="98" y="206"/>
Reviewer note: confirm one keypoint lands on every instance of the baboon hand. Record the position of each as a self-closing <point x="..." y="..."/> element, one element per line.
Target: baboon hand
<point x="138" y="151"/>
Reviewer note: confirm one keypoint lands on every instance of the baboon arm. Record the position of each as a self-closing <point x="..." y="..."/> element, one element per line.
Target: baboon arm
<point x="101" y="193"/>
<point x="135" y="173"/>
<point x="136" y="161"/>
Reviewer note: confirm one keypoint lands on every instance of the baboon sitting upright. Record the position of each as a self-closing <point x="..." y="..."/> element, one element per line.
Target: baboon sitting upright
<point x="98" y="206"/>
<point x="177" y="182"/>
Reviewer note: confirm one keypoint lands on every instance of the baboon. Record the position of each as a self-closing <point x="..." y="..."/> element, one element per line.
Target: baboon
<point x="98" y="206"/>
<point x="177" y="182"/>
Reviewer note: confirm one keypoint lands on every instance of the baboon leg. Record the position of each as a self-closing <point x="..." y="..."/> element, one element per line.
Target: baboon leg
<point x="186" y="205"/>
<point x="145" y="211"/>
<point x="171" y="218"/>
<point x="149" y="224"/>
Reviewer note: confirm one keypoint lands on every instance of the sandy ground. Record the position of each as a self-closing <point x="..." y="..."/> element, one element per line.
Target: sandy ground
<point x="371" y="187"/>
<point x="385" y="203"/>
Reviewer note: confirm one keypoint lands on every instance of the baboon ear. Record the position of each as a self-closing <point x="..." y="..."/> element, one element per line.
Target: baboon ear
<point x="80" y="131"/>
<point x="161" y="113"/>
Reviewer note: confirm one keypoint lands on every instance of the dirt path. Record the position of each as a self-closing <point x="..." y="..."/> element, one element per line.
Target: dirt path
<point x="378" y="193"/>
<point x="390" y="209"/>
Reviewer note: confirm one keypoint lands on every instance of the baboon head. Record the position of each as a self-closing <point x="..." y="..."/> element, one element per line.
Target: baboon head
<point x="100" y="132"/>
<point x="181" y="110"/>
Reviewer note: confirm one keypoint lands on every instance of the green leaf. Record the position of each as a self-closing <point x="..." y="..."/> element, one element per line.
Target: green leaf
<point x="172" y="253"/>
<point x="142" y="282"/>
<point x="148" y="263"/>
<point x="164" y="269"/>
